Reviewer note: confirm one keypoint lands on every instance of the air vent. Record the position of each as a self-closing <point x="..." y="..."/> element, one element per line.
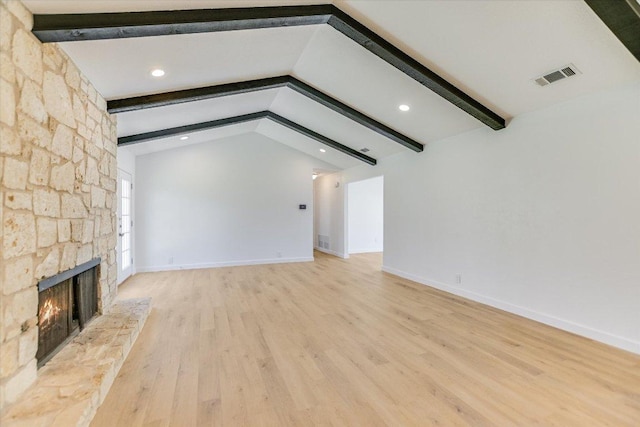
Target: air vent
<point x="557" y="75"/>
<point x="365" y="150"/>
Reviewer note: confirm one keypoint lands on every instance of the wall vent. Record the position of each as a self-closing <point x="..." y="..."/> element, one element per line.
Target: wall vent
<point x="323" y="241"/>
<point x="557" y="75"/>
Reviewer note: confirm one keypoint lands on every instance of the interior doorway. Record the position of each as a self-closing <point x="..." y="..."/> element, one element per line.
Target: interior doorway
<point x="365" y="216"/>
<point x="125" y="226"/>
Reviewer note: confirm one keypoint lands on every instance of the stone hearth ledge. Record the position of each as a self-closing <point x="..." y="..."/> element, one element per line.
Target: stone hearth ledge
<point x="73" y="384"/>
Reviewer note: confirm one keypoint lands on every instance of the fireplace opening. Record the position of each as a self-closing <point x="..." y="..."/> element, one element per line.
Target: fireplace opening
<point x="66" y="303"/>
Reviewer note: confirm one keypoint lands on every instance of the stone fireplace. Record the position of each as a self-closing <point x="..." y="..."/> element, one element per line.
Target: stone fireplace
<point x="66" y="303"/>
<point x="57" y="194"/>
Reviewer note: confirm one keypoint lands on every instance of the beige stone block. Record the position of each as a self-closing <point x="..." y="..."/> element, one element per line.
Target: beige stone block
<point x="87" y="231"/>
<point x="39" y="169"/>
<point x="8" y="358"/>
<point x="78" y="109"/>
<point x="92" y="174"/>
<point x="85" y="253"/>
<point x="27" y="55"/>
<point x="78" y="155"/>
<point x="33" y="132"/>
<point x="63" y="177"/>
<point x="7" y="70"/>
<point x="83" y="131"/>
<point x="50" y="265"/>
<point x="108" y="184"/>
<point x="69" y="256"/>
<point x="22" y="13"/>
<point x="77" y="230"/>
<point x="47" y="232"/>
<point x="21" y="306"/>
<point x="94" y="112"/>
<point x="96" y="227"/>
<point x="17" y="384"/>
<point x="7" y="103"/>
<point x="31" y="102"/>
<point x="17" y="200"/>
<point x="92" y="93"/>
<point x="104" y="164"/>
<point x="57" y="100"/>
<point x="28" y="346"/>
<point x="15" y="174"/>
<point x="72" y="78"/>
<point x="6" y="29"/>
<point x="19" y="234"/>
<point x="101" y="103"/>
<point x="9" y="141"/>
<point x="64" y="230"/>
<point x="73" y="207"/>
<point x="98" y="196"/>
<point x="46" y="203"/>
<point x="62" y="143"/>
<point x="106" y="226"/>
<point x="18" y="274"/>
<point x="97" y="139"/>
<point x="51" y="56"/>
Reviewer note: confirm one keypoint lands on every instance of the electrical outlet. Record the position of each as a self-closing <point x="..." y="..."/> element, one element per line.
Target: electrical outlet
<point x="458" y="278"/>
<point x="279" y="254"/>
<point x="170" y="260"/>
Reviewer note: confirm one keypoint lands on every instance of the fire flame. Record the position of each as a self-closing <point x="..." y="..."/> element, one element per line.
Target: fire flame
<point x="47" y="311"/>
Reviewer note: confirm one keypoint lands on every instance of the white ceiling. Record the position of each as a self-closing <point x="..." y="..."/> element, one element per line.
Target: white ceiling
<point x="490" y="49"/>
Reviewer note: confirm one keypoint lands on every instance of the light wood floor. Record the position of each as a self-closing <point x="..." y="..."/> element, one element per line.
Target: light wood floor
<point x="337" y="342"/>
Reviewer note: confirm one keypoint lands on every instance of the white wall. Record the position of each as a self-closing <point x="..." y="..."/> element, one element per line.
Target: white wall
<point x="365" y="213"/>
<point x="228" y="202"/>
<point x="330" y="215"/>
<point x="540" y="219"/>
<point x="127" y="163"/>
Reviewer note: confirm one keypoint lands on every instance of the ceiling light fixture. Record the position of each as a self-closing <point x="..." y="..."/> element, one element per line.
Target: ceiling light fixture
<point x="184" y="138"/>
<point x="314" y="176"/>
<point x="403" y="107"/>
<point x="322" y="150"/>
<point x="157" y="72"/>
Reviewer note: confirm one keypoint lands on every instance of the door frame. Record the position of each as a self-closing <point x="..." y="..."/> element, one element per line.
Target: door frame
<point x="124" y="273"/>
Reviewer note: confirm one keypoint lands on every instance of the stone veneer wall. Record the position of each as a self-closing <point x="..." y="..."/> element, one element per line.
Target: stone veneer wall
<point x="57" y="186"/>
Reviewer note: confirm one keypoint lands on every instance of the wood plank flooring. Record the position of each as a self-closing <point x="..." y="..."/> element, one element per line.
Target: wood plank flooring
<point x="338" y="342"/>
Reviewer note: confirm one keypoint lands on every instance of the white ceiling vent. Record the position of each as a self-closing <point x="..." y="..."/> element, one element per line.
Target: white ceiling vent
<point x="556" y="75"/>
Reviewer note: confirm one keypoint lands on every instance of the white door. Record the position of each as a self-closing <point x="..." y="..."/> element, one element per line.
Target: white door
<point x="125" y="226"/>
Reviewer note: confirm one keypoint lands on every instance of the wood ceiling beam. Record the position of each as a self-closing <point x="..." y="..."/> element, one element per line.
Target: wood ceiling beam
<point x="623" y="19"/>
<point x="228" y="89"/>
<point x="181" y="130"/>
<point x="99" y="26"/>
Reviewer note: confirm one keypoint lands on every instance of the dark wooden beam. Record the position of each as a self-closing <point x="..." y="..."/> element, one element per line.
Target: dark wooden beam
<point x="164" y="133"/>
<point x="321" y="138"/>
<point x="124" y="105"/>
<point x="623" y="19"/>
<point x="58" y="28"/>
<point x="199" y="94"/>
<point x="101" y="26"/>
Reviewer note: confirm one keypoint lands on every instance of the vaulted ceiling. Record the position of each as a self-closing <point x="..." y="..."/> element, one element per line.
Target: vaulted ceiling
<point x="490" y="51"/>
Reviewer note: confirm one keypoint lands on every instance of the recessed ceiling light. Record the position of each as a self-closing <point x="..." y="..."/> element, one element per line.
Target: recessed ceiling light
<point x="157" y="72"/>
<point x="322" y="150"/>
<point x="183" y="138"/>
<point x="403" y="107"/>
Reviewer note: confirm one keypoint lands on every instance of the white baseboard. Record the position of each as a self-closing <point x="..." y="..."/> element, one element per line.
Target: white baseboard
<point x="547" y="319"/>
<point x="365" y="251"/>
<point x="197" y="266"/>
<point x="334" y="253"/>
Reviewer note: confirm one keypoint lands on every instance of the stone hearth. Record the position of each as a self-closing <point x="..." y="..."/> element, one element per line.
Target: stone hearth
<point x="73" y="384"/>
